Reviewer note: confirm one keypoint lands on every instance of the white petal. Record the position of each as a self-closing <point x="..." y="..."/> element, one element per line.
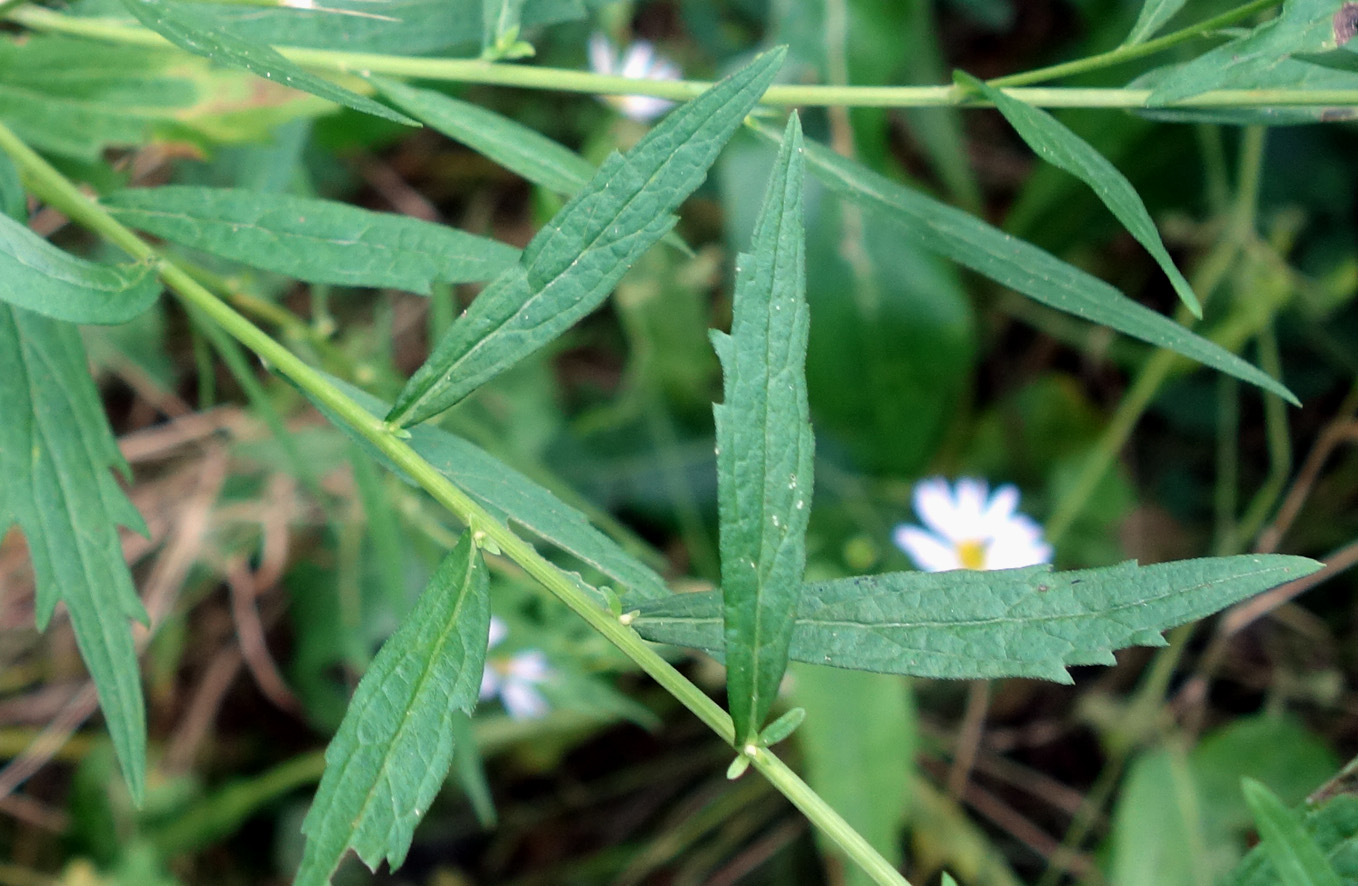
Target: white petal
<point x="528" y="667"/>
<point x="935" y="506"/>
<point x="490" y="682"/>
<point x="636" y="61"/>
<point x="522" y="701"/>
<point x="1000" y="508"/>
<point x="643" y="108"/>
<point x="497" y="631"/>
<point x="601" y="57"/>
<point x="1018" y="544"/>
<point x="930" y="553"/>
<point x="970" y="502"/>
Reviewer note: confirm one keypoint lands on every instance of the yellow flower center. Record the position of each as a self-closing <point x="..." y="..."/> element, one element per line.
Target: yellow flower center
<point x="971" y="554"/>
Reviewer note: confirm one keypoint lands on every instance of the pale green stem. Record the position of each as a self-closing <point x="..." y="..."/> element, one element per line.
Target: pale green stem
<point x="570" y="80"/>
<point x="1139" y="50"/>
<point x="50" y="185"/>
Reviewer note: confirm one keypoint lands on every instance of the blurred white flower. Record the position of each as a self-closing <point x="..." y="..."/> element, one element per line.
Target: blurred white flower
<point x="513" y="678"/>
<point x="640" y="61"/>
<point x="969" y="528"/>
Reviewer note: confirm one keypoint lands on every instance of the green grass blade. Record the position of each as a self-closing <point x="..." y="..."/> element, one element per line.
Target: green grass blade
<point x="1332" y="823"/>
<point x="573" y="263"/>
<point x="516" y="147"/>
<point x="1020" y="265"/>
<point x="200" y="35"/>
<point x="55" y="453"/>
<point x="319" y="241"/>
<point x="511" y="496"/>
<point x="765" y="447"/>
<point x="1056" y="144"/>
<point x="1029" y="622"/>
<point x="1296" y="858"/>
<point x="37" y="276"/>
<point x="394" y="748"/>
<point x="1154" y="14"/>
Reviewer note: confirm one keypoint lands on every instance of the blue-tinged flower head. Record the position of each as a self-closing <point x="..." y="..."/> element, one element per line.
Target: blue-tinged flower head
<point x="639" y="61"/>
<point x="514" y="678"/>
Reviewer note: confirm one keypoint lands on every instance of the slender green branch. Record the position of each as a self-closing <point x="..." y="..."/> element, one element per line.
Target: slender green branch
<point x="570" y="80"/>
<point x="50" y="185"/>
<point x="1135" y="51"/>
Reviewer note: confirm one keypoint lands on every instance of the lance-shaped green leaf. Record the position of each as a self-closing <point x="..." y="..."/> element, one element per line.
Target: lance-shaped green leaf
<point x="765" y="447"/>
<point x="1295" y="857"/>
<point x="55" y="455"/>
<point x="509" y="143"/>
<point x="1154" y="14"/>
<point x="574" y="262"/>
<point x="38" y="276"/>
<point x="1020" y="265"/>
<point x="395" y="745"/>
<point x="509" y="495"/>
<point x="200" y="35"/>
<point x="1303" y="26"/>
<point x="1028" y="622"/>
<point x="1332" y="824"/>
<point x="1056" y="144"/>
<point x="319" y="241"/>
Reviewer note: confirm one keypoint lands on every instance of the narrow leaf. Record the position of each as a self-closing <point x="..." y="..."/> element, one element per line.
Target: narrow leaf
<point x="319" y="241"/>
<point x="516" y="147"/>
<point x="765" y="447"/>
<point x="573" y="263"/>
<point x="394" y="748"/>
<point x="1154" y="14"/>
<point x="509" y="495"/>
<point x="1020" y="265"/>
<point x="200" y="35"/>
<point x="1303" y="26"/>
<point x="1335" y="60"/>
<point x="55" y="454"/>
<point x="1296" y="858"/>
<point x="38" y="276"/>
<point x="1056" y="144"/>
<point x="1333" y="826"/>
<point x="1029" y="622"/>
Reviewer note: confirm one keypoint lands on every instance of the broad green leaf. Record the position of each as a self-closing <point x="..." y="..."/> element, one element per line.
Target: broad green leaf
<point x="765" y="448"/>
<point x="1303" y="26"/>
<point x="55" y="455"/>
<point x="395" y="746"/>
<point x="858" y="748"/>
<point x="38" y="276"/>
<point x="1028" y="622"/>
<point x="509" y="143"/>
<point x="1154" y="14"/>
<point x="1062" y="148"/>
<point x="1020" y="265"/>
<point x="200" y="35"/>
<point x="76" y="97"/>
<point x="1294" y="855"/>
<point x="319" y="241"/>
<point x="1333" y="826"/>
<point x="509" y="495"/>
<point x="574" y="262"/>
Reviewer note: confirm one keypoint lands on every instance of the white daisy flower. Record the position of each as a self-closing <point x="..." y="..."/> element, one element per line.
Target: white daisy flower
<point x="513" y="678"/>
<point x="969" y="528"/>
<point x="640" y="61"/>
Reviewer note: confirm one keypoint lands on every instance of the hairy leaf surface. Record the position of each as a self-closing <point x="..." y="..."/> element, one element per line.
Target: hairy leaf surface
<point x="509" y="495"/>
<point x="200" y="35"/>
<point x="765" y="447"/>
<point x="1028" y="622"/>
<point x="1056" y="144"/>
<point x="574" y="262"/>
<point x="55" y="455"/>
<point x="319" y="241"/>
<point x="38" y="276"/>
<point x="395" y="745"/>
<point x="1020" y="265"/>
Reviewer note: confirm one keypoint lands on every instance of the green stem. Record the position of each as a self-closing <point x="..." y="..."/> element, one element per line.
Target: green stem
<point x="50" y="185"/>
<point x="570" y="80"/>
<point x="1139" y="50"/>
